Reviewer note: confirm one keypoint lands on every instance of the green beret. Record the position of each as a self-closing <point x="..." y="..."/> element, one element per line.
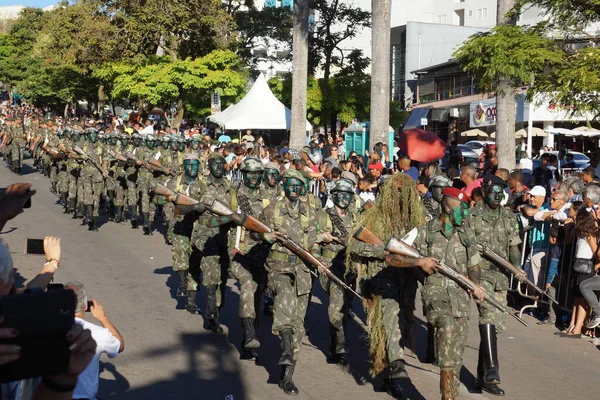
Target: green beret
<point x="292" y="173"/>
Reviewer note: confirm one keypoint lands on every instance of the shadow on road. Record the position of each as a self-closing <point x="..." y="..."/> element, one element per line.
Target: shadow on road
<point x="210" y="373"/>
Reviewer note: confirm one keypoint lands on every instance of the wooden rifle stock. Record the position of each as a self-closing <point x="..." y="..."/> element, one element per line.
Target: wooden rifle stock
<point x="365" y="235"/>
<point x="132" y="157"/>
<point x="254" y="225"/>
<point x="79" y="151"/>
<point x="396" y="246"/>
<point x="367" y="205"/>
<point x="155" y="163"/>
<point x="498" y="260"/>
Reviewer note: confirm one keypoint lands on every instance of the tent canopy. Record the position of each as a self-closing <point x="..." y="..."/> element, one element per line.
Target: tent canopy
<point x="580" y="131"/>
<point x="474" y="133"/>
<point x="259" y="109"/>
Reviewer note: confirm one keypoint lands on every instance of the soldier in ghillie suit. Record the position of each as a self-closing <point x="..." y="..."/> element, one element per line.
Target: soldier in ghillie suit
<point x="390" y="292"/>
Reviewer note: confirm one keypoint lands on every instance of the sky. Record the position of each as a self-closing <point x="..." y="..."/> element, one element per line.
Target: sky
<point x="28" y="3"/>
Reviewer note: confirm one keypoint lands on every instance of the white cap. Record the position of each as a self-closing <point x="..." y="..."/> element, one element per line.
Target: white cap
<point x="537" y="191"/>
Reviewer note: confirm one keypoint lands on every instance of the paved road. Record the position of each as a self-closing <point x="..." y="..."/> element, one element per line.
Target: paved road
<point x="168" y="354"/>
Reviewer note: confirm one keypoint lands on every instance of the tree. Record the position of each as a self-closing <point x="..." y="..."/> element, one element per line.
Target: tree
<point x="299" y="73"/>
<point x="380" y="71"/>
<point x="162" y="80"/>
<point x="505" y="58"/>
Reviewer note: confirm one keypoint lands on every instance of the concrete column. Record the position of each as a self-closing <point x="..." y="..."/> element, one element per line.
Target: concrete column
<point x="549" y="140"/>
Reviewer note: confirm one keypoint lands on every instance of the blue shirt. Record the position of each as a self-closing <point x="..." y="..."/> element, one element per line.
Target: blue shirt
<point x="413" y="172"/>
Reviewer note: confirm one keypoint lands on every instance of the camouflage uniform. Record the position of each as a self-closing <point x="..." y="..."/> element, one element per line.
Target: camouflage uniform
<point x="92" y="179"/>
<point x="18" y="147"/>
<point x="497" y="229"/>
<point x="145" y="184"/>
<point x="447" y="306"/>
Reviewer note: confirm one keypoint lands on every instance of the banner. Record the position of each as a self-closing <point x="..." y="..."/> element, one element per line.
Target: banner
<point x="483" y="112"/>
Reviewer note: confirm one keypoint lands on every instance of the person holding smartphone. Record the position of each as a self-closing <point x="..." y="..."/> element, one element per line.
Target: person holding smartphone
<point x="108" y="341"/>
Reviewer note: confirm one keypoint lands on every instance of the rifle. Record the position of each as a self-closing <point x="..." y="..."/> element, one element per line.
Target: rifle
<point x="178" y="198"/>
<point x="117" y="156"/>
<point x="367" y="205"/>
<point x="155" y="163"/>
<point x="498" y="260"/>
<point x="79" y="151"/>
<point x="396" y="246"/>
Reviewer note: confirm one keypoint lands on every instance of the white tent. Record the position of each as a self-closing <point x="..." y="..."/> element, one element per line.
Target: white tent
<point x="259" y="109"/>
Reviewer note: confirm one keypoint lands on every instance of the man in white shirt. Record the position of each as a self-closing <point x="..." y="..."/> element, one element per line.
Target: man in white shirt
<point x="148" y="129"/>
<point x="108" y="341"/>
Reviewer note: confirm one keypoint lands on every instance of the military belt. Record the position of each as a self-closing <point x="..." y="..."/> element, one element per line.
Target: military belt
<point x="440" y="281"/>
<point x="279" y="256"/>
<point x="328" y="254"/>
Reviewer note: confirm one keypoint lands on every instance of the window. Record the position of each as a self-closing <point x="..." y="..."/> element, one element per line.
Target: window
<point x="470" y="14"/>
<point x="479" y="13"/>
<point x="484" y="13"/>
<point x="441" y="18"/>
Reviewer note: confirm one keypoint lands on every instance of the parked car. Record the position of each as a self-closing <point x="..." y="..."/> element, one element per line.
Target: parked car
<point x="581" y="160"/>
<point x="478" y="145"/>
<point x="469" y="156"/>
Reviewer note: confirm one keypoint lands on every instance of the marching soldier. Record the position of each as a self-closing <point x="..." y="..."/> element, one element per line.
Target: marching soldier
<point x="497" y="228"/>
<point x="184" y="254"/>
<point x="288" y="276"/>
<point x="247" y="264"/>
<point x="447" y="306"/>
<point x="337" y="222"/>
<point x="145" y="182"/>
<point x="433" y="205"/>
<point x="210" y="237"/>
<point x="92" y="179"/>
<point x="131" y="173"/>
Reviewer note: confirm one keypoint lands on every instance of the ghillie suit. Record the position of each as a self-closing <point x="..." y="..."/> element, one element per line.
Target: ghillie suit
<point x="397" y="211"/>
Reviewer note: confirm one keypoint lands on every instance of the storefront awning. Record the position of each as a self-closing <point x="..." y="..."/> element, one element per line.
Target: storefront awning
<point x="414" y="120"/>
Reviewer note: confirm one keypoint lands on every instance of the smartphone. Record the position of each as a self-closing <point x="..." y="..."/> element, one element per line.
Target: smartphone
<point x="90" y="304"/>
<point x="43" y="320"/>
<point x="27" y="203"/>
<point x="54" y="286"/>
<point x="34" y="246"/>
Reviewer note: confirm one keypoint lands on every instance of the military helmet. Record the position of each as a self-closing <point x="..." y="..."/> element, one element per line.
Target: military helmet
<point x="149" y="138"/>
<point x="165" y="139"/>
<point x="440" y="181"/>
<point x="292" y="173"/>
<point x="343" y="185"/>
<point x="191" y="156"/>
<point x="252" y="164"/>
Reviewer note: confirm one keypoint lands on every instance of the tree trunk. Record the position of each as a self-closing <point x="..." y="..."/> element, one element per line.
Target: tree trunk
<point x="380" y="70"/>
<point x="101" y="100"/>
<point x="505" y="104"/>
<point x="178" y="118"/>
<point x="299" y="74"/>
<point x="66" y="112"/>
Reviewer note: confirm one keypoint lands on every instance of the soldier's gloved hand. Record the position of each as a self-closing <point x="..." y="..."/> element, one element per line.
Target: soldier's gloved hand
<point x="325" y="237"/>
<point x="200" y="208"/>
<point x="379" y="252"/>
<point x="237" y="218"/>
<point x="84" y="157"/>
<point x="521" y="275"/>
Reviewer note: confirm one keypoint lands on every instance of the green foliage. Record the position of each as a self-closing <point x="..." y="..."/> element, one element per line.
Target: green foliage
<point x="511" y="53"/>
<point x="567" y="14"/>
<point x="160" y="80"/>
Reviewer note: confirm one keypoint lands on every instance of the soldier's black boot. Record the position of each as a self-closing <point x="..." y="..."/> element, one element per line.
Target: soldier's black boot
<point x="118" y="214"/>
<point x="191" y="306"/>
<point x="147" y="224"/>
<point x="268" y="307"/>
<point x="285" y="382"/>
<point x="212" y="311"/>
<point x="287" y="346"/>
<point x="133" y="216"/>
<point x="431" y="358"/>
<point x="250" y="343"/>
<point x="73" y="208"/>
<point x="392" y="383"/>
<point x="18" y="170"/>
<point x="489" y="359"/>
<point x="181" y="289"/>
<point x="337" y="350"/>
<point x="91" y="219"/>
<point x="81" y="211"/>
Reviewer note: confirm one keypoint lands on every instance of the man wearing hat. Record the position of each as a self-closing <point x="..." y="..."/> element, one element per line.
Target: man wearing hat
<point x="497" y="228"/>
<point x="288" y="276"/>
<point x="448" y="239"/>
<point x="210" y="237"/>
<point x="432" y="204"/>
<point x="336" y="223"/>
<point x="185" y="255"/>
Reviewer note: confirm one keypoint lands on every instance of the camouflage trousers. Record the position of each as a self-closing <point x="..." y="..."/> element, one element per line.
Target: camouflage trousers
<point x="17" y="154"/>
<point x="289" y="308"/>
<point x="63" y="180"/>
<point x="92" y="187"/>
<point x="53" y="173"/>
<point x="73" y="175"/>
<point x="214" y="264"/>
<point x="132" y="189"/>
<point x="145" y="187"/>
<point x="120" y="190"/>
<point x="169" y="217"/>
<point x="247" y="273"/>
<point x="496" y="284"/>
<point x="338" y="301"/>
<point x="186" y="257"/>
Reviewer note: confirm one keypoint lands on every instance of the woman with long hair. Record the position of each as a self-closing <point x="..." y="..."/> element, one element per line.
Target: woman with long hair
<point x="586" y="231"/>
